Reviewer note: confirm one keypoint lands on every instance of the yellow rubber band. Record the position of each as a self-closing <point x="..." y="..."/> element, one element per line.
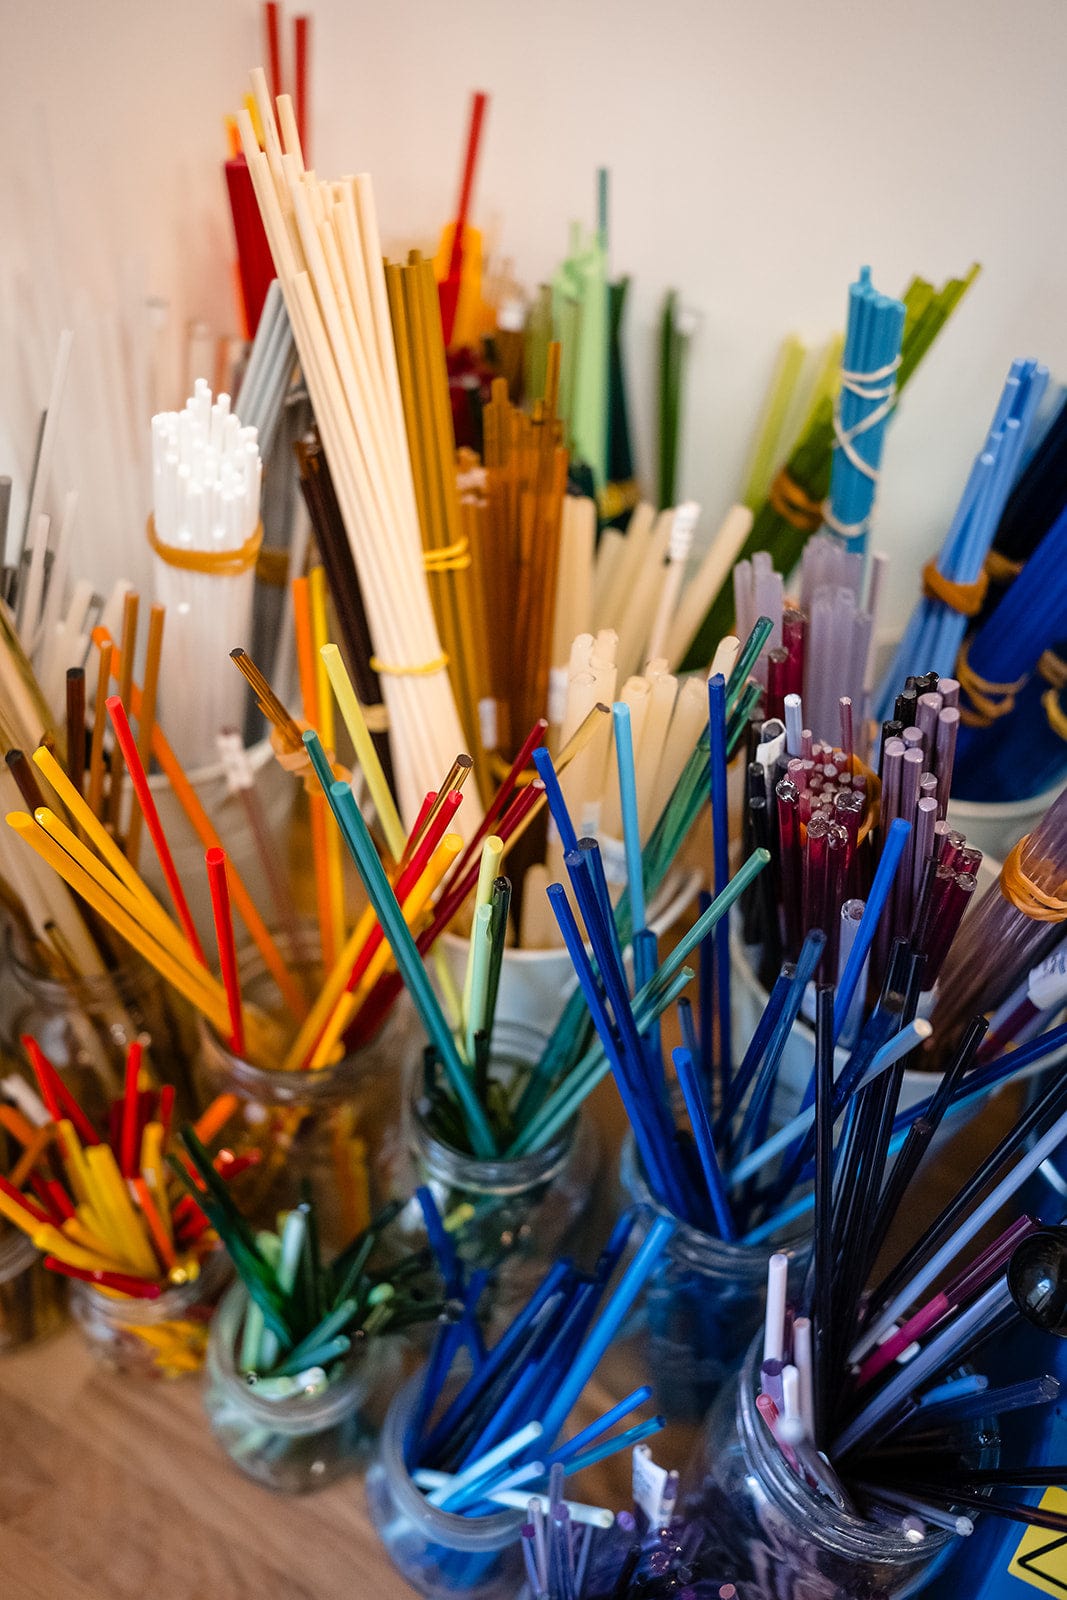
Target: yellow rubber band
<point x="966" y="599"/>
<point x="1057" y="717"/>
<point x="1000" y="569"/>
<point x="219" y="563"/>
<point x="794" y="504"/>
<point x="1053" y="669"/>
<point x="426" y="670"/>
<point x="272" y="567"/>
<point x="1025" y="895"/>
<point x="989" y="701"/>
<point x="454" y="557"/>
<point x="376" y="718"/>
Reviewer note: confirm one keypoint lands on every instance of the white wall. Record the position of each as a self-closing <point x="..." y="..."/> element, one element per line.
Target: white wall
<point x="759" y="153"/>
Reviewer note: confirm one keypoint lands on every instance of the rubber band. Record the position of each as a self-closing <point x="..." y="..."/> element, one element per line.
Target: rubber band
<point x="878" y="385"/>
<point x="219" y="563"/>
<point x="1020" y="890"/>
<point x="376" y="717"/>
<point x="454" y="557"/>
<point x="500" y="769"/>
<point x="966" y="599"/>
<point x="1053" y="669"/>
<point x="1000" y="569"/>
<point x="1054" y="713"/>
<point x="844" y="530"/>
<point x="794" y="505"/>
<point x="272" y="566"/>
<point x="425" y="670"/>
<point x="298" y="763"/>
<point x="989" y="701"/>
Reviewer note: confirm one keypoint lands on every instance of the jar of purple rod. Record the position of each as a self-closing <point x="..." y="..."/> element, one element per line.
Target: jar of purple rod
<point x="780" y="1539"/>
<point x="703" y="1303"/>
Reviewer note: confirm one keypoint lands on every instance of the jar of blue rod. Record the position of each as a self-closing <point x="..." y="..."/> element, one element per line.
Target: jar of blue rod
<point x="471" y="1448"/>
<point x="438" y="1552"/>
<point x="510" y="1215"/>
<point x="703" y="1303"/>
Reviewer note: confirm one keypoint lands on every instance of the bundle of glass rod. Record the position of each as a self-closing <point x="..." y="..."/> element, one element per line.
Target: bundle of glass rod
<point x="345" y="594"/>
<point x="954" y="584"/>
<point x="99" y="1203"/>
<point x="458" y="600"/>
<point x="1016" y="643"/>
<point x="334" y="288"/>
<point x="1016" y="924"/>
<point x="255" y="270"/>
<point x="802" y="379"/>
<point x="874" y="328"/>
<point x="494" y="1440"/>
<point x="306" y="1318"/>
<point x="513" y="526"/>
<point x="793" y="509"/>
<point x="821" y="645"/>
<point x="869" y="1405"/>
<point x="206" y="533"/>
<point x="1035" y="501"/>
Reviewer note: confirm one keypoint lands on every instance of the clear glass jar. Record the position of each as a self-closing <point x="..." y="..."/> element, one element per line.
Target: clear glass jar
<point x="778" y="1536"/>
<point x="163" y="1338"/>
<point x="304" y="1442"/>
<point x="85" y="1026"/>
<point x="703" y="1303"/>
<point x="520" y="1214"/>
<point x="33" y="1300"/>
<point x="334" y="1129"/>
<point x="438" y="1552"/>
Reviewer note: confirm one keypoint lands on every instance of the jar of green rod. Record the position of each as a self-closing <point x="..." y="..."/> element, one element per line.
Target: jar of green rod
<point x="439" y="1553"/>
<point x="330" y="1131"/>
<point x="293" y="1433"/>
<point x="33" y="1301"/>
<point x="704" y="1301"/>
<point x="85" y="1024"/>
<point x="770" y="1522"/>
<point x="510" y="1216"/>
<point x="165" y="1337"/>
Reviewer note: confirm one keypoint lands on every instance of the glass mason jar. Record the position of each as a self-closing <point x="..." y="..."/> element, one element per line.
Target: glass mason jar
<point x="33" y="1300"/>
<point x="329" y="1130"/>
<point x="85" y="1026"/>
<point x="703" y="1303"/>
<point x="438" y="1552"/>
<point x="778" y="1535"/>
<point x="515" y="1216"/>
<point x="304" y="1442"/>
<point x="163" y="1338"/>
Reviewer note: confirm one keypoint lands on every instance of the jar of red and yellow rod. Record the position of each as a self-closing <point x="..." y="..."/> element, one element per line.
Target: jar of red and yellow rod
<point x="145" y="1265"/>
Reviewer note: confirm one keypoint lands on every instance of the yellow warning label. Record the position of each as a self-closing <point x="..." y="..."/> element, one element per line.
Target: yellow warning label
<point x="1041" y="1559"/>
